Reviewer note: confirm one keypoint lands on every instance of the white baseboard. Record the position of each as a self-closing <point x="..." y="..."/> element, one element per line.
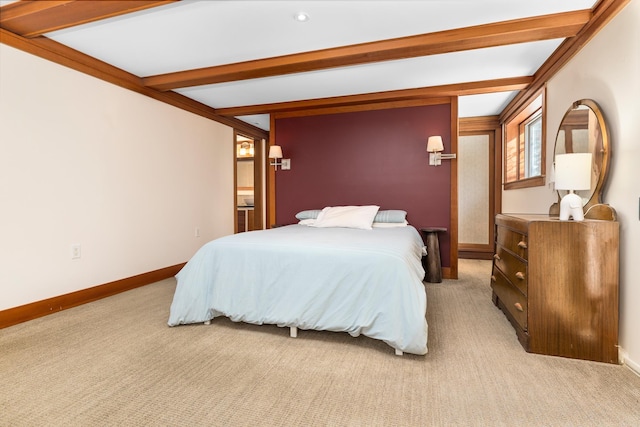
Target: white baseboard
<point x="623" y="356"/>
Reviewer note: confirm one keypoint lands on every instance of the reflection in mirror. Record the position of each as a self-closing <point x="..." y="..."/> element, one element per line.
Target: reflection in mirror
<point x="583" y="130"/>
<point x="244" y="148"/>
<point x="245" y="152"/>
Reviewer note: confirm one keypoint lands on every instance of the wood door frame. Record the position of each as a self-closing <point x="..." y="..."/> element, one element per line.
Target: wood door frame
<point x="490" y="126"/>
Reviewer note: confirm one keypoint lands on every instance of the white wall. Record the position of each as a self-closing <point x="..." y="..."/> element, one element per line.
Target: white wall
<point x="606" y="70"/>
<point x="85" y="162"/>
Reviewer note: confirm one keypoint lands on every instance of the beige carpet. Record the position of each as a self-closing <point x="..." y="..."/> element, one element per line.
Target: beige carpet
<point x="115" y="362"/>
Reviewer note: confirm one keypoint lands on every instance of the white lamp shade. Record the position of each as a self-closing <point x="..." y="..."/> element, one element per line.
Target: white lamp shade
<point x="573" y="171"/>
<point x="275" y="152"/>
<point x="434" y="144"/>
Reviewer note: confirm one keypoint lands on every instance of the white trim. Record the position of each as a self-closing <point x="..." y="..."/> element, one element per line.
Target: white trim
<point x="623" y="357"/>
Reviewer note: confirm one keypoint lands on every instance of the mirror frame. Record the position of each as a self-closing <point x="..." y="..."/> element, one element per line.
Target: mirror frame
<point x="597" y="191"/>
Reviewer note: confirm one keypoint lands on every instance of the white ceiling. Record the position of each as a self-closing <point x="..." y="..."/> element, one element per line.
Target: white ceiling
<point x="195" y="34"/>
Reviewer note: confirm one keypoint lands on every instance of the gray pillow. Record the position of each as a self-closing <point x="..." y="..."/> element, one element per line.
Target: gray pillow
<point x="310" y="214"/>
<point x="390" y="216"/>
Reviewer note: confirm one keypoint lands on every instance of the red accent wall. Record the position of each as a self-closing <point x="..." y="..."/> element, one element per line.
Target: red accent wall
<point x="370" y="157"/>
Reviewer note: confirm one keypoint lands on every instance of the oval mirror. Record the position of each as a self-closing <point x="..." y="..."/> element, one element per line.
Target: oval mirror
<point x="583" y="130"/>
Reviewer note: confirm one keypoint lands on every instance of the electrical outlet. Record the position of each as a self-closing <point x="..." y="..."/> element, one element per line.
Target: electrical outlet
<point x="76" y="251"/>
<point x="197" y="232"/>
<point x="286" y="164"/>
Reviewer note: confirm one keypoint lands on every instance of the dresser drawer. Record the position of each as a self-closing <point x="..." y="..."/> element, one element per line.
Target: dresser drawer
<point x="513" y="267"/>
<point x="514" y="241"/>
<point x="512" y="299"/>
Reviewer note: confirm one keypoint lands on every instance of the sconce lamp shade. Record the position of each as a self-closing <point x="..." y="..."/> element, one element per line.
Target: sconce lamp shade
<point x="573" y="171"/>
<point x="275" y="152"/>
<point x="434" y="144"/>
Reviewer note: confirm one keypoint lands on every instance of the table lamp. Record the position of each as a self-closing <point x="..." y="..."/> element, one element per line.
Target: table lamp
<point x="573" y="172"/>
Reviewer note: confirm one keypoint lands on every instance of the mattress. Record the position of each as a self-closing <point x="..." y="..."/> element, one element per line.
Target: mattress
<point x="357" y="281"/>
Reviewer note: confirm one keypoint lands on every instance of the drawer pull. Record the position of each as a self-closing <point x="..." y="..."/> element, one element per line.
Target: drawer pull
<point x="522" y="244"/>
<point x="518" y="306"/>
<point x="520" y="275"/>
<point x="493" y="278"/>
<point x="496" y="256"/>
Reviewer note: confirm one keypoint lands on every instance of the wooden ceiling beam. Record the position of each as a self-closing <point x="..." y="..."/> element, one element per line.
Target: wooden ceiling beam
<point x="458" y="89"/>
<point x="559" y="25"/>
<point x="383" y="105"/>
<point x="602" y="13"/>
<point x="30" y="18"/>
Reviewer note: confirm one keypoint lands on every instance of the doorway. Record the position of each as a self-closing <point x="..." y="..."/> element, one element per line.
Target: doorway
<point x="478" y="190"/>
<point x="249" y="191"/>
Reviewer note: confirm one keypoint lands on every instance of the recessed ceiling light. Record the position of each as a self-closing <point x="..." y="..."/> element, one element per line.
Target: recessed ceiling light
<point x="301" y="17"/>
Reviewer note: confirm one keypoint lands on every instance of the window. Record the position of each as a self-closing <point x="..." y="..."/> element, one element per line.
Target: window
<point x="525" y="147"/>
<point x="533" y="145"/>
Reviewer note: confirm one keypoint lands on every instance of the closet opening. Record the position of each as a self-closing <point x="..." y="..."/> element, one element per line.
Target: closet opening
<point x="249" y="191"/>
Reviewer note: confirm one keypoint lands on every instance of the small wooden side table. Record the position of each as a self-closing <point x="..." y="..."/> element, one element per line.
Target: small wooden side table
<point x="434" y="267"/>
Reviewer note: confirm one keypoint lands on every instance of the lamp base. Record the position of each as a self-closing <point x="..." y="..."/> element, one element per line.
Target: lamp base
<point x="571" y="206"/>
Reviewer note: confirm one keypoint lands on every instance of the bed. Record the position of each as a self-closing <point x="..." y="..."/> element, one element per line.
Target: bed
<point x="344" y="279"/>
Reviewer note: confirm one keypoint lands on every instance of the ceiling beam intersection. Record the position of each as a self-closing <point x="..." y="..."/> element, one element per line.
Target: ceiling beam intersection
<point x="456" y="89"/>
<point x="538" y="28"/>
<point x="30" y="18"/>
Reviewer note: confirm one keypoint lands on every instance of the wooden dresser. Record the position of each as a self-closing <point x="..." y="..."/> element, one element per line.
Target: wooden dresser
<point x="557" y="283"/>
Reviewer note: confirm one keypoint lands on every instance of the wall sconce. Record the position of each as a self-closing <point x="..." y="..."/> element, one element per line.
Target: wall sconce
<point x="275" y="152"/>
<point x="435" y="148"/>
<point x="572" y="172"/>
<point x="246" y="150"/>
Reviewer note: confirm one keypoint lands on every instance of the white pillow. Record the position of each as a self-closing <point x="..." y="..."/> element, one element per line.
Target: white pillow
<point x="347" y="216"/>
<point x="309" y="221"/>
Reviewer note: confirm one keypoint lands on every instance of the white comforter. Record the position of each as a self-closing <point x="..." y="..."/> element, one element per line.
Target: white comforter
<point x="338" y="279"/>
